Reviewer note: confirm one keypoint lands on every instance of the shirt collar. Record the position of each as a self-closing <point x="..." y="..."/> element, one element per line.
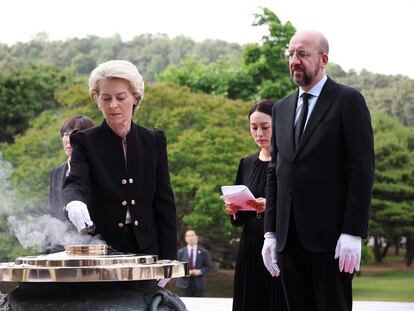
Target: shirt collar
<point x="317" y="89"/>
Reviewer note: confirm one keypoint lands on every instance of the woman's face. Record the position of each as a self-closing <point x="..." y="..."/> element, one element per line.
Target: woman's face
<point x="261" y="128"/>
<point x="116" y="102"/>
<point x="66" y="144"/>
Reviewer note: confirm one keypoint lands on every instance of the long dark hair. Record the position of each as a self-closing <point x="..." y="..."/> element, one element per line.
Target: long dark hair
<point x="264" y="105"/>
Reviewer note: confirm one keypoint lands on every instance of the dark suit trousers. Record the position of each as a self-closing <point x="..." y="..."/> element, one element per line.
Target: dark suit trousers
<point x="311" y="280"/>
<point x="191" y="290"/>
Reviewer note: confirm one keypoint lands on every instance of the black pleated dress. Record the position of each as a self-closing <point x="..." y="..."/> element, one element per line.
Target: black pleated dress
<point x="254" y="288"/>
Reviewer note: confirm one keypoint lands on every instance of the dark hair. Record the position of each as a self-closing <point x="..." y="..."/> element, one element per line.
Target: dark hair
<point x="76" y="123"/>
<point x="264" y="105"/>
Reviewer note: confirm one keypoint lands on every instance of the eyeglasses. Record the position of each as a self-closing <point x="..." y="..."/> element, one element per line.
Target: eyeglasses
<point x="300" y="54"/>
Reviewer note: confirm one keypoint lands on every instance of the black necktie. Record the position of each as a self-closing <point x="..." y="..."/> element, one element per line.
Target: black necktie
<point x="300" y="124"/>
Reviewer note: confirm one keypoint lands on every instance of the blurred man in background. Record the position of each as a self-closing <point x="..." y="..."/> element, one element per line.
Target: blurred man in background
<point x="199" y="264"/>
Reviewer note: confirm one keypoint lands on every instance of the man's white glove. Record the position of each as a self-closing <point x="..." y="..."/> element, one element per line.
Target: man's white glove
<point x="348" y="249"/>
<point x="78" y="214"/>
<point x="269" y="253"/>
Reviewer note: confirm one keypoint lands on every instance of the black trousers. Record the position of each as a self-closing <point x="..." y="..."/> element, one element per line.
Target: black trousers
<point x="311" y="281"/>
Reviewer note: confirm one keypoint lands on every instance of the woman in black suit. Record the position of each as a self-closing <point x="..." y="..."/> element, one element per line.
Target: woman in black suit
<point x="254" y="287"/>
<point x="119" y="178"/>
<point x="58" y="174"/>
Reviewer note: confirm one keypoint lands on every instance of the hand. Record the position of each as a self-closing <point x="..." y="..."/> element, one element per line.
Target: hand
<point x="348" y="249"/>
<point x="269" y="254"/>
<point x="163" y="282"/>
<point x="259" y="204"/>
<point x="195" y="272"/>
<point x="230" y="208"/>
<point x="78" y="214"/>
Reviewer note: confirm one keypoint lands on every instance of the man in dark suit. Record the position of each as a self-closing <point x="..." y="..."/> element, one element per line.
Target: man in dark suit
<point x="319" y="183"/>
<point x="199" y="264"/>
<point x="57" y="179"/>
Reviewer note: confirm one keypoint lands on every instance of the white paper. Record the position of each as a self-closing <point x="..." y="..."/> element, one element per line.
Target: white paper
<point x="238" y="195"/>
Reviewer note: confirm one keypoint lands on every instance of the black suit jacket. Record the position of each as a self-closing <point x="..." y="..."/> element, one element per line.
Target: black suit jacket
<point x="57" y="179"/>
<point x="202" y="263"/>
<point x="100" y="178"/>
<point x="328" y="180"/>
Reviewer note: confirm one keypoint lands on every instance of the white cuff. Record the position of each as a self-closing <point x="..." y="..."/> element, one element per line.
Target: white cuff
<point x="73" y="203"/>
<point x="270" y="235"/>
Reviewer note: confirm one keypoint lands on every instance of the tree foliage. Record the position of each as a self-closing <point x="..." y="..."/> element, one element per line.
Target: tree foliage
<point x="260" y="73"/>
<point x="392" y="213"/>
<point x="265" y="62"/>
<point x="151" y="53"/>
<point x="393" y="95"/>
<point x="24" y="93"/>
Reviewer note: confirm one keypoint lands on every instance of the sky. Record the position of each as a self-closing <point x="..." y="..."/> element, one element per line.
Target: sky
<point x="363" y="34"/>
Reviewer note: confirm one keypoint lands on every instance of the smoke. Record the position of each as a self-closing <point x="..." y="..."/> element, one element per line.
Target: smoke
<point x="6" y="191"/>
<point x="48" y="232"/>
<point x="31" y="225"/>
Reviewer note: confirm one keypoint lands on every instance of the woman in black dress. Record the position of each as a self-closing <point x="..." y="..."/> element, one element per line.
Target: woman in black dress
<point x="254" y="287"/>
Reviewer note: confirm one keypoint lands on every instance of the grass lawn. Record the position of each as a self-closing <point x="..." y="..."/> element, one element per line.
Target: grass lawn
<point x="387" y="286"/>
<point x="389" y="281"/>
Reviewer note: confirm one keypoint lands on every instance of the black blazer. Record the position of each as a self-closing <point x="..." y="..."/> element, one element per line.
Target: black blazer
<point x="100" y="178"/>
<point x="202" y="263"/>
<point x="328" y="180"/>
<point x="57" y="179"/>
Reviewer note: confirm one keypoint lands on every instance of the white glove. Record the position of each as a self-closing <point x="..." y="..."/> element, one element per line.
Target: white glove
<point x="78" y="214"/>
<point x="269" y="254"/>
<point x="348" y="249"/>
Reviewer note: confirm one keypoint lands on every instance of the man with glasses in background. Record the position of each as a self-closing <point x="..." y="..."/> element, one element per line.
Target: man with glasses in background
<point x="319" y="183"/>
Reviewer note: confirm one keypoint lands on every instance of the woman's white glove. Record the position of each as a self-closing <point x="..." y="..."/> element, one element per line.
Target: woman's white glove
<point x="269" y="253"/>
<point x="78" y="214"/>
<point x="348" y="249"/>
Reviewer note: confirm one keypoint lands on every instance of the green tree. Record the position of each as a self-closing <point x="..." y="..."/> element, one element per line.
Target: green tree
<point x="265" y="61"/>
<point x="24" y="93"/>
<point x="392" y="215"/>
<point x="83" y="64"/>
<point x="261" y="73"/>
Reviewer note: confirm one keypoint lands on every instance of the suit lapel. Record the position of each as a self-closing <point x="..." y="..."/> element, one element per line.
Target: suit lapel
<point x="289" y="122"/>
<point x="61" y="176"/>
<point x="321" y="107"/>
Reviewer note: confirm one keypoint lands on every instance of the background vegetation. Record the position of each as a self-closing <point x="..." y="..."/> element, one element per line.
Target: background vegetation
<point x="199" y="93"/>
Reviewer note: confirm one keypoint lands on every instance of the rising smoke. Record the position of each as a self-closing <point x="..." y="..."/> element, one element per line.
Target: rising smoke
<point x="33" y="227"/>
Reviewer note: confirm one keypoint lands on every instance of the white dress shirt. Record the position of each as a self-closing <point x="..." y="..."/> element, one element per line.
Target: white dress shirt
<point x="315" y="92"/>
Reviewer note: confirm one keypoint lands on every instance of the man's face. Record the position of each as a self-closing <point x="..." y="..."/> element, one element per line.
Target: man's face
<point x="306" y="61"/>
<point x="191" y="237"/>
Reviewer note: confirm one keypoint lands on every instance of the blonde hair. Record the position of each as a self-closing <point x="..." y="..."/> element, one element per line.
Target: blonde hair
<point x="117" y="69"/>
